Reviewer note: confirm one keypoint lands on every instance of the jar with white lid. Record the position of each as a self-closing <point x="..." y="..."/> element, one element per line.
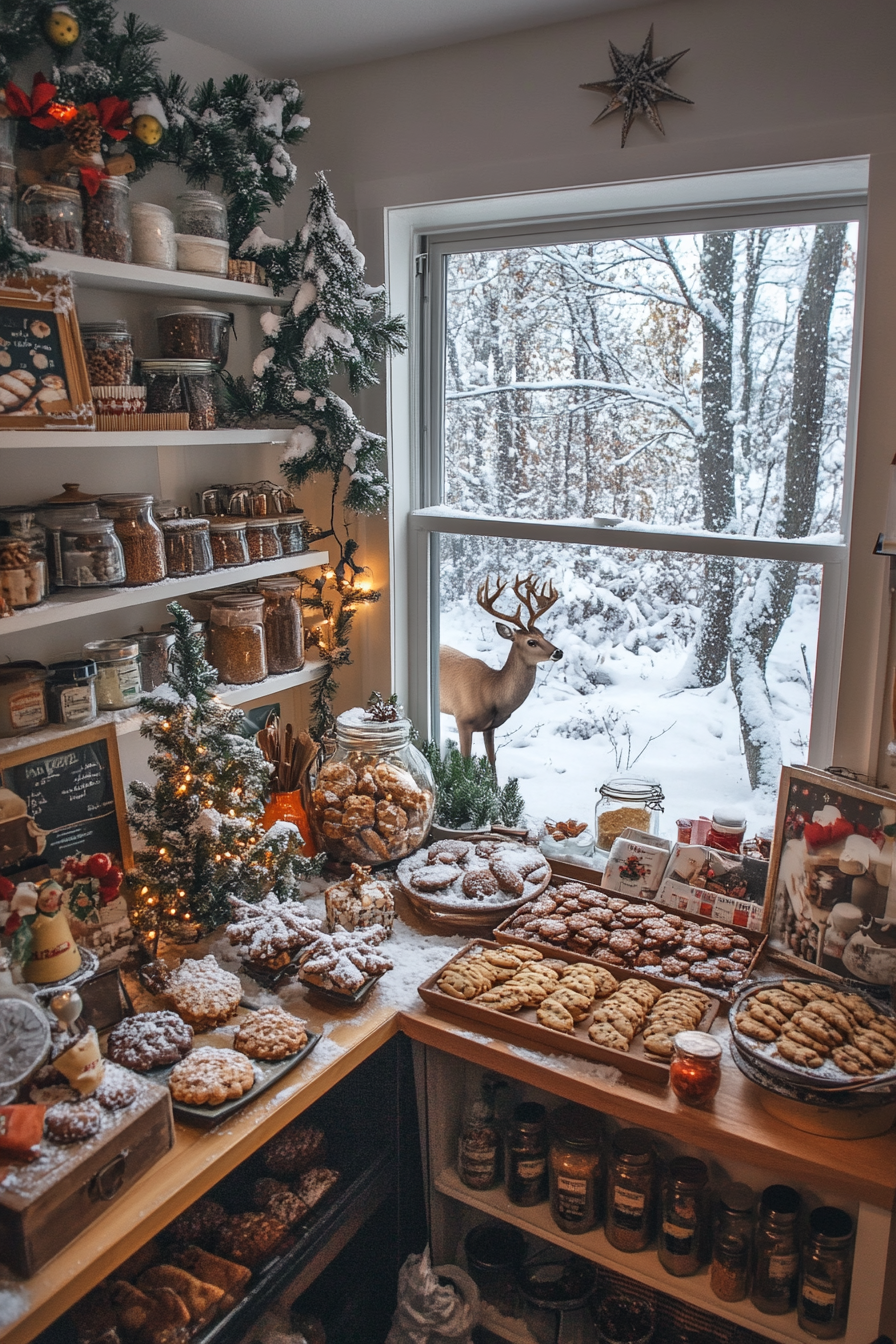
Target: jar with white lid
<point x="117" y="661"/>
<point x="152" y="232"/>
<point x="23" y="701"/>
<point x="236" y="645"/>
<point x="90" y="554"/>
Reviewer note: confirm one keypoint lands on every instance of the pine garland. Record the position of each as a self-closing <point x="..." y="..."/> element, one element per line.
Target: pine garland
<point x="201" y="823"/>
<point x="15" y="254"/>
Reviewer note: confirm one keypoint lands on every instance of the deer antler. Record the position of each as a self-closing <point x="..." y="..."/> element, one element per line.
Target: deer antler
<point x="526" y="589"/>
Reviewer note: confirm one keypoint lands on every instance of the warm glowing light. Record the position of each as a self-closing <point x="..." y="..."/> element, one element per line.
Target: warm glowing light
<point x="162" y="852"/>
<point x="144" y="891"/>
<point x="166" y="725"/>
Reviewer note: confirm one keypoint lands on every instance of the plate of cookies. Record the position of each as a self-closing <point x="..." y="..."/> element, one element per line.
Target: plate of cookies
<point x="814" y="1032"/>
<point x="569" y="1004"/>
<point x="473" y="883"/>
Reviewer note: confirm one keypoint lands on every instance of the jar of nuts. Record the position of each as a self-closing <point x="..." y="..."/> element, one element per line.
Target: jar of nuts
<point x="90" y="554"/>
<point x="182" y="385"/>
<point x="23" y="573"/>
<point x="262" y="539"/>
<point x="236" y="638"/>
<point x="191" y="333"/>
<point x="107" y="219"/>
<point x="229" y="545"/>
<point x="50" y="215"/>
<point x="109" y="352"/>
<point x="140" y="537"/>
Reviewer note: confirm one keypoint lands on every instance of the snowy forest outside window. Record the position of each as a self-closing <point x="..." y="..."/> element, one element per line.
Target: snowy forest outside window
<point x="659" y="425"/>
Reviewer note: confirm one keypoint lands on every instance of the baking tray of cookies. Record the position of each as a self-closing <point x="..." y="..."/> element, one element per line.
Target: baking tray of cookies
<point x="524" y="1022"/>
<point x="822" y="1043"/>
<point x="512" y="873"/>
<point x="506" y="932"/>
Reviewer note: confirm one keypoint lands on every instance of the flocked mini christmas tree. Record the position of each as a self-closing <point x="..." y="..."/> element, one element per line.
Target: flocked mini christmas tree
<point x="201" y="823"/>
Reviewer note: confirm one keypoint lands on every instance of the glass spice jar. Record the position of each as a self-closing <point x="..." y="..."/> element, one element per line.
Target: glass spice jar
<point x="695" y="1072"/>
<point x="262" y="539"/>
<point x="291" y="531"/>
<point x="152" y="233"/>
<point x="729" y="1274"/>
<point x="50" y="215"/>
<point x="23" y="700"/>
<point x="91" y="555"/>
<point x="526" y="1174"/>
<point x="283" y="628"/>
<point x="107" y="219"/>
<point x="684" y="1219"/>
<point x="140" y="536"/>
<point x="109" y="352"/>
<point x="228" y="541"/>
<point x="188" y="548"/>
<point x="775" y="1255"/>
<point x="479" y="1146"/>
<point x="631" y="1191"/>
<point x="71" y="691"/>
<point x="574" y="1168"/>
<point x="236" y="638"/>
<point x="822" y="1302"/>
<point x="626" y="800"/>
<point x="194" y="333"/>
<point x="202" y="214"/>
<point x="23" y="573"/>
<point x="155" y="652"/>
<point x="118" y="672"/>
<point x="184" y="385"/>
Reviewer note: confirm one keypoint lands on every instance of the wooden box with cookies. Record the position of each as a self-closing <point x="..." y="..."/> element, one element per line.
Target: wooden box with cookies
<point x="568" y="1003"/>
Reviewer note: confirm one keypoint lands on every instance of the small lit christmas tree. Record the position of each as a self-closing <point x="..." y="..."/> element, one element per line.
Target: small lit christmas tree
<point x="201" y="823"/>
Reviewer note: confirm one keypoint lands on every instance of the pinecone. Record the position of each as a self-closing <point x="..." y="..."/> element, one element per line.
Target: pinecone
<point x="84" y="132"/>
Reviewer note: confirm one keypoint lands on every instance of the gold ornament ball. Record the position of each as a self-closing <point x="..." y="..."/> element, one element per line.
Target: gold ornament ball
<point x="61" y="29"/>
<point x="147" y="129"/>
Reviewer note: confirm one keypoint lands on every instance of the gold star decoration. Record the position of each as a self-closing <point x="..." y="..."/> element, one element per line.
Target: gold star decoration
<point x="638" y="85"/>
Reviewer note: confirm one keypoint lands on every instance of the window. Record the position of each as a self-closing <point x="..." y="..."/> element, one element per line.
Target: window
<point x="656" y="420"/>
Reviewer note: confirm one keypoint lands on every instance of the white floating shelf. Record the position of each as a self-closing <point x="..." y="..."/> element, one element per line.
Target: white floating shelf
<point x="74" y="604"/>
<point x="129" y="720"/>
<point x="96" y="274"/>
<point x="136" y="438"/>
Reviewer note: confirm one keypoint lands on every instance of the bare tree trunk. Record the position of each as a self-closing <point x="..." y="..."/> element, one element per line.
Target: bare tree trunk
<point x="763" y="611"/>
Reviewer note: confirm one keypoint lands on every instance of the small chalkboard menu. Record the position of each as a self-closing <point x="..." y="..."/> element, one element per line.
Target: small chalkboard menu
<point x="43" y="374"/>
<point x="63" y="801"/>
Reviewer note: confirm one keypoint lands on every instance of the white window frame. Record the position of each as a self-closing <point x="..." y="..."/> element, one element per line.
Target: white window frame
<point x="417" y="241"/>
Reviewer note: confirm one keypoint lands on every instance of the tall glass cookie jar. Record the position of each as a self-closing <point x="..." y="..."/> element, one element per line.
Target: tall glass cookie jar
<point x="626" y="801"/>
<point x="374" y="798"/>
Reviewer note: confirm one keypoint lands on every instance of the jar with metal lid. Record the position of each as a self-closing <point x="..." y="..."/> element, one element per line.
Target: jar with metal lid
<point x="291" y="531"/>
<point x="480" y="1144"/>
<point x="195" y="333"/>
<point x="775" y="1253"/>
<point x="186" y="385"/>
<point x="8" y="191"/>
<point x="729" y="1274"/>
<point x="117" y="661"/>
<point x="23" y="573"/>
<point x="50" y="215"/>
<point x="684" y="1217"/>
<point x="71" y="691"/>
<point x="262" y="539"/>
<point x="631" y="1190"/>
<point x="495" y="1253"/>
<point x="574" y="1168"/>
<point x="21" y="523"/>
<point x="695" y="1072"/>
<point x="90" y="555"/>
<point x="228" y="541"/>
<point x="152" y="234"/>
<point x="526" y="1165"/>
<point x="236" y="638"/>
<point x="386" y="812"/>
<point x="140" y="536"/>
<point x="52" y="518"/>
<point x="198" y="628"/>
<point x="727" y="830"/>
<point x="23" y="701"/>
<point x="107" y="219"/>
<point x="202" y="214"/>
<point x="283" y="628"/>
<point x="626" y="800"/>
<point x="109" y="352"/>
<point x="155" y="652"/>
<point x="822" y="1302"/>
<point x="188" y="548"/>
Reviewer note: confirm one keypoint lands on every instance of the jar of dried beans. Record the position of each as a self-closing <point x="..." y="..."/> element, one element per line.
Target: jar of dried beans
<point x="228" y="540"/>
<point x="107" y="220"/>
<point x="188" y="548"/>
<point x="140" y="536"/>
<point x="109" y="352"/>
<point x="155" y="652"/>
<point x="236" y="638"/>
<point x="50" y="215"/>
<point x="118" y="672"/>
<point x="23" y="573"/>
<point x="182" y="385"/>
<point x="283" y="628"/>
<point x="626" y="800"/>
<point x="91" y="555"/>
<point x="574" y="1168"/>
<point x="684" y="1218"/>
<point x="262" y="539"/>
<point x="631" y="1191"/>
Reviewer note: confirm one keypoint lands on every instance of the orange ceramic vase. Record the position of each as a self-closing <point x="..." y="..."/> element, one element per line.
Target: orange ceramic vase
<point x="289" y="807"/>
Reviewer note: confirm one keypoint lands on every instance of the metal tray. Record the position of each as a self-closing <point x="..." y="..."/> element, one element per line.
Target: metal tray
<point x="525" y="1024"/>
<point x="841" y="1099"/>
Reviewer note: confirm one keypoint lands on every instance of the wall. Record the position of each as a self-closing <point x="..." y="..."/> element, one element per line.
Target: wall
<point x="773" y="82"/>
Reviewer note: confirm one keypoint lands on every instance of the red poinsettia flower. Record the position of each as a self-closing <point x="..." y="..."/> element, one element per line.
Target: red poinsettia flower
<point x="12" y="923"/>
<point x="7" y="889"/>
<point x="91" y="179"/>
<point x="40" y="108"/>
<point x="111" y="113"/>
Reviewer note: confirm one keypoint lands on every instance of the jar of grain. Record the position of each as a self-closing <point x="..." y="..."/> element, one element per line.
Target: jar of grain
<point x="574" y="1168"/>
<point x="107" y="219"/>
<point x="626" y="800"/>
<point x="283" y="629"/>
<point x="228" y="539"/>
<point x="152" y="231"/>
<point x="23" y="573"/>
<point x="50" y="215"/>
<point x="684" y="1232"/>
<point x="201" y="214"/>
<point x="729" y="1274"/>
<point x="109" y="352"/>
<point x="188" y="548"/>
<point x="140" y="536"/>
<point x="631" y="1191"/>
<point x="182" y="385"/>
<point x="23" y="700"/>
<point x="236" y="638"/>
<point x="262" y="539"/>
<point x="195" y="333"/>
<point x="291" y="531"/>
<point x="118" y="672"/>
<point x="91" y="555"/>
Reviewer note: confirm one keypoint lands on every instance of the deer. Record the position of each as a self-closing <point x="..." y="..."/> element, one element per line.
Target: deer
<point x="481" y="698"/>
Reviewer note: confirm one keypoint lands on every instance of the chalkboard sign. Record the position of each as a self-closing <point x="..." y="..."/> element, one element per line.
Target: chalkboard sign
<point x="62" y="802"/>
<point x="43" y="374"/>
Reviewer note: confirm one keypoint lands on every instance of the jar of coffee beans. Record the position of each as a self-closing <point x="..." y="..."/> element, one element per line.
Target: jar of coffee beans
<point x="50" y="215"/>
<point x="107" y="220"/>
<point x="236" y="644"/>
<point x="140" y="536"/>
<point x="109" y="352"/>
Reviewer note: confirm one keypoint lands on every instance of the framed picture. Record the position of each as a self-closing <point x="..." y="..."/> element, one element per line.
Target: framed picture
<point x="43" y="374"/>
<point x="832" y="878"/>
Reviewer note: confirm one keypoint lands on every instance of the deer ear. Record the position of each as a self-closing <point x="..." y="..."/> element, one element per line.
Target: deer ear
<point x="503" y="630"/>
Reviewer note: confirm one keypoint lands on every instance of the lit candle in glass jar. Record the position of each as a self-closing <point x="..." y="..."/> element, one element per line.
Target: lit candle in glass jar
<point x="696" y="1069"/>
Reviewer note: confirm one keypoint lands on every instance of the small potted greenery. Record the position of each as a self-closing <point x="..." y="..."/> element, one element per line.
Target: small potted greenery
<point x="469" y="800"/>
